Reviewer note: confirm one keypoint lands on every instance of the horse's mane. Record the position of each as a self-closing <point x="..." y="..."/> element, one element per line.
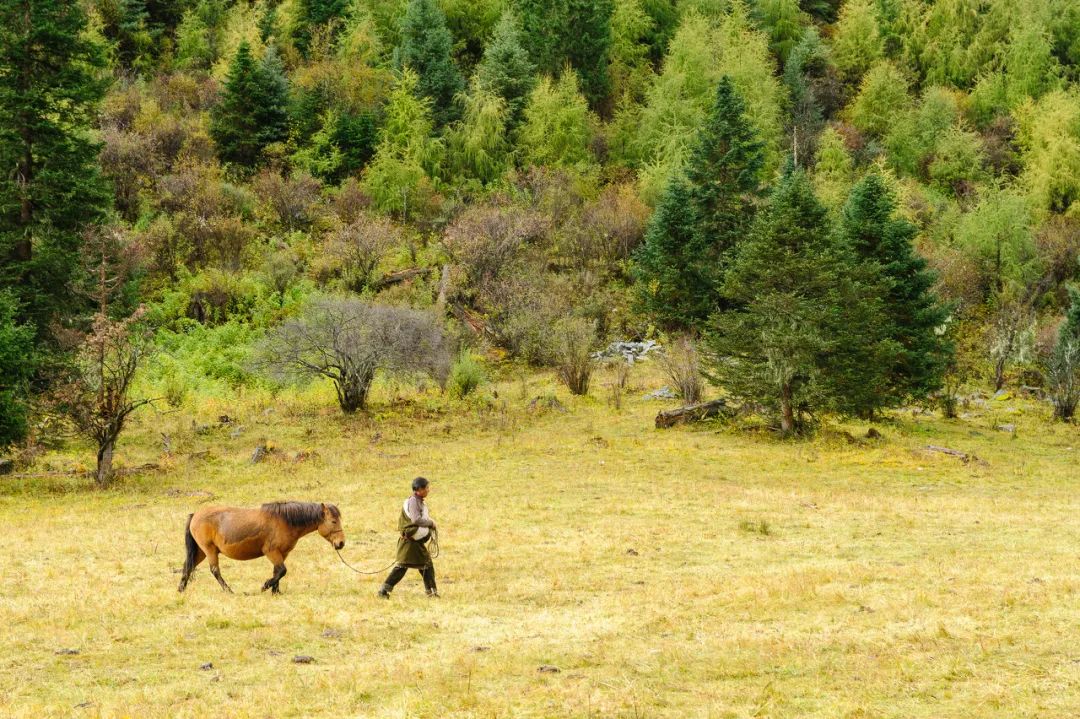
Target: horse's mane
<point x="299" y="514"/>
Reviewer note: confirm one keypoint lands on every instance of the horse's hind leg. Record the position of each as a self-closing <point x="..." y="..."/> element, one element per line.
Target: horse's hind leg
<point x="199" y="556"/>
<point x="279" y="572"/>
<point x="212" y="558"/>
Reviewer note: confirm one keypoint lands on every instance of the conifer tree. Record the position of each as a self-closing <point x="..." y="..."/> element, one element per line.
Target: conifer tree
<point x="314" y="15"/>
<point x="724" y="170"/>
<point x="252" y="113"/>
<point x="783" y="21"/>
<point x="675" y="276"/>
<point x="426" y="44"/>
<point x="505" y="69"/>
<point x="721" y="182"/>
<point x="50" y="187"/>
<point x="1062" y="368"/>
<point x="16" y="367"/>
<point x="797" y="302"/>
<point x="882" y="242"/>
<point x="558" y="124"/>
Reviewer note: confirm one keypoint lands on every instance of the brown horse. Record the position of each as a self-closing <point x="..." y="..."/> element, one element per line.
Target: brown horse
<point x="271" y="531"/>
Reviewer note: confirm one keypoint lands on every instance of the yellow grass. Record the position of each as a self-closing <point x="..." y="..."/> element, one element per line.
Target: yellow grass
<point x="767" y="579"/>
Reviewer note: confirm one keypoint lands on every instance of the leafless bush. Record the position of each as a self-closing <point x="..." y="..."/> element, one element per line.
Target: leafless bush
<point x="573" y="340"/>
<point x="682" y="365"/>
<point x="293" y="201"/>
<point x="131" y="162"/>
<point x="352" y="253"/>
<point x="350" y="201"/>
<point x="348" y="340"/>
<point x="609" y="228"/>
<point x="485" y="240"/>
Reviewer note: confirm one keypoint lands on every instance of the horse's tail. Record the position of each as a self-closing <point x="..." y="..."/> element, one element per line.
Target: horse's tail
<point x="192" y="548"/>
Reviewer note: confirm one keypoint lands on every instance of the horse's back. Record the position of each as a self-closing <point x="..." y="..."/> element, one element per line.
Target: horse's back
<point x="237" y="532"/>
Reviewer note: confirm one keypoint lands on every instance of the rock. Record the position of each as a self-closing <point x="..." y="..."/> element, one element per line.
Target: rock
<point x="481" y="648"/>
<point x="64" y="651"/>
<point x="1002" y="394"/>
<point x="662" y="393"/>
<point x="224" y="419"/>
<point x="630" y="351"/>
<point x="7" y="466"/>
<point x="333" y="633"/>
<point x="1010" y="428"/>
<point x="872" y="433"/>
<point x="206" y="667"/>
<point x="260" y="453"/>
<point x="84" y="705"/>
<point x="548" y="669"/>
<point x="545" y="403"/>
<point x="303" y="659"/>
<point x="632" y="552"/>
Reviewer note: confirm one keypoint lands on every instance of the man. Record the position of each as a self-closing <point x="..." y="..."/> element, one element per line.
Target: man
<point x="416" y="530"/>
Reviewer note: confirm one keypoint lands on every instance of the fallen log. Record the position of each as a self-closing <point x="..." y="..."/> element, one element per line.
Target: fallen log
<point x="964" y="456"/>
<point x="692" y="413"/>
<point x="393" y="278"/>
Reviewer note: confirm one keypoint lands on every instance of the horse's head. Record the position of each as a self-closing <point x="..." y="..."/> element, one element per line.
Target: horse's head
<point x="330" y="527"/>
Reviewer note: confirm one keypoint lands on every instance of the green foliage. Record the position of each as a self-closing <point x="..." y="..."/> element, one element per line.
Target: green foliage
<point x="425" y="49"/>
<point x="997" y="235"/>
<point x="833" y="170"/>
<point x="803" y="334"/>
<point x="506" y="69"/>
<point x="883" y="97"/>
<point x="478" y="146"/>
<point x="958" y="163"/>
<point x="784" y="21"/>
<point x="1062" y="368"/>
<point x="17" y="365"/>
<point x="50" y="188"/>
<point x="314" y="16"/>
<point x="558" y="125"/>
<point x="574" y="32"/>
<point x="915" y="135"/>
<point x="252" y="113"/>
<point x="466" y="375"/>
<point x="911" y="316"/>
<point x="857" y="40"/>
<point x="631" y="28"/>
<point x="1050" y="139"/>
<point x="407" y="154"/>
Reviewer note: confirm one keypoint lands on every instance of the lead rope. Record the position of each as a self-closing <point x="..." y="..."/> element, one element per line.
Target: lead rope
<point x="435" y="554"/>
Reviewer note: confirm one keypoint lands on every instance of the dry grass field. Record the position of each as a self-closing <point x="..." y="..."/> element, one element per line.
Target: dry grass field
<point x="694" y="572"/>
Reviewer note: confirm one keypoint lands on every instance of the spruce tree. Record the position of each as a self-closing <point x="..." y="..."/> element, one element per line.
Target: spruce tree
<point x="1062" y="368"/>
<point x="799" y="306"/>
<point x="16" y="367"/>
<point x="316" y="15"/>
<point x="505" y="69"/>
<point x="912" y="314"/>
<point x="252" y="112"/>
<point x="721" y="184"/>
<point x="724" y="171"/>
<point x="50" y="188"/>
<point x="425" y="49"/>
<point x="674" y="277"/>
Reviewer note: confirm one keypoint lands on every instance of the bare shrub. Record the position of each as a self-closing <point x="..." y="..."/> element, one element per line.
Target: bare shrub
<point x="350" y="201"/>
<point x="348" y="340"/>
<point x="131" y="162"/>
<point x="609" y="228"/>
<point x="293" y="201"/>
<point x="573" y="340"/>
<point x="352" y="253"/>
<point x="485" y="240"/>
<point x="682" y="365"/>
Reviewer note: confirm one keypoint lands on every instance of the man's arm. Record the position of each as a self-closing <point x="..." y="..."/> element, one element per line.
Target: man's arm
<point x="415" y="513"/>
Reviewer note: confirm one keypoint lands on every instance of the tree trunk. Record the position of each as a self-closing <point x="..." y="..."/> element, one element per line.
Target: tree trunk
<point x="999" y="374"/>
<point x="691" y="413"/>
<point x="104" y="462"/>
<point x="787" y="412"/>
<point x="352" y="391"/>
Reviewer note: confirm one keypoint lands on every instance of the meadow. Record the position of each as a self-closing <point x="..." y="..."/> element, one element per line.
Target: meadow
<point x="704" y="571"/>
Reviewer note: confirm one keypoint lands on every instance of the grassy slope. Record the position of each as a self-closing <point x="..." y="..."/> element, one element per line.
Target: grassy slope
<point x="891" y="583"/>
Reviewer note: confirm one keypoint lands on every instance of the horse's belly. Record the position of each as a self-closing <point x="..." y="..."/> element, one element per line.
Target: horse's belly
<point x="243" y="550"/>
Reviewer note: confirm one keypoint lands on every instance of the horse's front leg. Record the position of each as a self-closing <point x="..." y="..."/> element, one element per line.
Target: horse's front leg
<point x="278" y="560"/>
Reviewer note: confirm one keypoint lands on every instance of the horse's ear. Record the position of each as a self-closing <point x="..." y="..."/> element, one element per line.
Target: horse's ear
<point x="324" y="509"/>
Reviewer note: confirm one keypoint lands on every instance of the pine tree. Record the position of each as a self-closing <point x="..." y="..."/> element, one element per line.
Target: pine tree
<point x="16" y="367"/>
<point x="578" y="32"/>
<point x="783" y="21"/>
<point x="724" y="170"/>
<point x="506" y="70"/>
<point x="797" y="304"/>
<point x="316" y="15"/>
<point x="882" y="242"/>
<point x="857" y="41"/>
<point x="674" y="277"/>
<point x="479" y="147"/>
<point x="252" y="113"/>
<point x="50" y="188"/>
<point x="425" y="48"/>
<point x="721" y="182"/>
